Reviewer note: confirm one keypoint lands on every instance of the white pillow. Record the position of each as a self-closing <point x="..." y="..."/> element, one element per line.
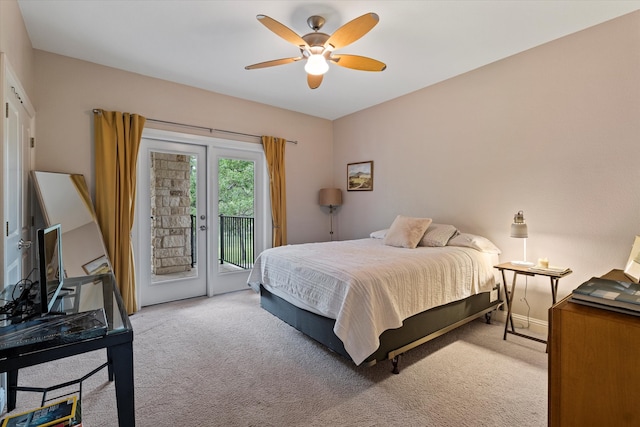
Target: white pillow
<point x="479" y="243"/>
<point x="379" y="234"/>
<point x="438" y="235"/>
<point x="406" y="232"/>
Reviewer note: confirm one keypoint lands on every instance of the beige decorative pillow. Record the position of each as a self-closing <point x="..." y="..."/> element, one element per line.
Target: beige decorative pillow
<point x="406" y="232"/>
<point x="438" y="235"/>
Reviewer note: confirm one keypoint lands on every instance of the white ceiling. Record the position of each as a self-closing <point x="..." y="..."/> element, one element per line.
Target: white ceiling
<point x="207" y="43"/>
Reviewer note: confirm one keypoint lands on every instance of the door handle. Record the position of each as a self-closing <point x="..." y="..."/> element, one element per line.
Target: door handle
<point x="24" y="244"/>
<point x="203" y="227"/>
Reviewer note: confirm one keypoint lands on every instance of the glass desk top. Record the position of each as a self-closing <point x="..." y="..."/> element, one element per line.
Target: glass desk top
<point x="77" y="316"/>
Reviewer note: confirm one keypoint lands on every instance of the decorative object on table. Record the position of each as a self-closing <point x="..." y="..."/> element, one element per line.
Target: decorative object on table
<point x="543" y="267"/>
<point x="519" y="230"/>
<point x="632" y="269"/>
<point x="331" y="197"/>
<point x="360" y="176"/>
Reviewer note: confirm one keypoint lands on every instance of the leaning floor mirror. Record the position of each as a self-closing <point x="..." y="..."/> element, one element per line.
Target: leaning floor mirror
<point x="65" y="200"/>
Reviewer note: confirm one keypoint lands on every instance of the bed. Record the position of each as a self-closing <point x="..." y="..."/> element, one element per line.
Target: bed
<point x="371" y="300"/>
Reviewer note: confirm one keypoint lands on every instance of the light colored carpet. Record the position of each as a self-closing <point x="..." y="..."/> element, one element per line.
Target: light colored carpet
<point x="223" y="361"/>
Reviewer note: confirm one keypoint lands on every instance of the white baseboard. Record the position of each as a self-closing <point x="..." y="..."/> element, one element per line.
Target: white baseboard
<point x="521" y="322"/>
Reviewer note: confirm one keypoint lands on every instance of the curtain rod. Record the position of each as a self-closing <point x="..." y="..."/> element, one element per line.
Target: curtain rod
<point x="211" y="130"/>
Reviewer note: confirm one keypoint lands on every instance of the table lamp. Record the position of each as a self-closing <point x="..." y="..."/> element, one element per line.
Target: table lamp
<point x="519" y="230"/>
<point x="331" y="197"/>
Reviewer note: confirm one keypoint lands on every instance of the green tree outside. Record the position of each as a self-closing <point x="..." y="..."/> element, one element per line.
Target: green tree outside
<point x="235" y="188"/>
<point x="235" y="198"/>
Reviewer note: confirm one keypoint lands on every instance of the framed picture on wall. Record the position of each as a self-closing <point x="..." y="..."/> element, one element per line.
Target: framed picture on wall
<point x="360" y="176"/>
<point x="97" y="266"/>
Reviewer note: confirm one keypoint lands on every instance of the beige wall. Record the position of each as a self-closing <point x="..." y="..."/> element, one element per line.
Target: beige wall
<point x="15" y="43"/>
<point x="552" y="131"/>
<point x="67" y="90"/>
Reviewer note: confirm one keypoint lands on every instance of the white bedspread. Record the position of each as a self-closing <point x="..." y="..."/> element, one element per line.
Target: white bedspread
<point x="368" y="287"/>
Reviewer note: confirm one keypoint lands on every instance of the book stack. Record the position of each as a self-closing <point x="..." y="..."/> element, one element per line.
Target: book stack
<point x="63" y="413"/>
<point x="609" y="294"/>
<point x="560" y="271"/>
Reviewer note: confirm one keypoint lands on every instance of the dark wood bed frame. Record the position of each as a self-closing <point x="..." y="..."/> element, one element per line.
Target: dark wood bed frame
<point x="416" y="330"/>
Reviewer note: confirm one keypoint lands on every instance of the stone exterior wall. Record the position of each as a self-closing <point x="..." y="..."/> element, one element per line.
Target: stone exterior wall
<point x="170" y="209"/>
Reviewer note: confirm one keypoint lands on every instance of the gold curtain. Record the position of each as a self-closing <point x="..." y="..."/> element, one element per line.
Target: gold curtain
<point x="274" y="152"/>
<point x="117" y="140"/>
<point x="81" y="187"/>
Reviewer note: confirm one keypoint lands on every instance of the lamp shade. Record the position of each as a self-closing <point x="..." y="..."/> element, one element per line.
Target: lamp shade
<point x="519" y="227"/>
<point x="330" y="197"/>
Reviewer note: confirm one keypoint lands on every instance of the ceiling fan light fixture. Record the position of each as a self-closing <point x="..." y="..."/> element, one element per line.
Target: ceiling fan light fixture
<point x="316" y="65"/>
<point x="318" y="48"/>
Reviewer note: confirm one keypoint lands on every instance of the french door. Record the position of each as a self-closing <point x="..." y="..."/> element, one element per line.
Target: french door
<point x="172" y="206"/>
<point x="188" y="222"/>
<point x="239" y="194"/>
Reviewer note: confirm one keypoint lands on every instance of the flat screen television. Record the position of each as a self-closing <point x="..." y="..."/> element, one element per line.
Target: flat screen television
<point x="50" y="265"/>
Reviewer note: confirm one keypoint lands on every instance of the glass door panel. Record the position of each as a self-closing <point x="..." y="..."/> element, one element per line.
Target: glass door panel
<point x="173" y="205"/>
<point x="236" y="214"/>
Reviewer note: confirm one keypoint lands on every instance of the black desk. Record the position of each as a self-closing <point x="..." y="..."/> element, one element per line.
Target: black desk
<point x="89" y="293"/>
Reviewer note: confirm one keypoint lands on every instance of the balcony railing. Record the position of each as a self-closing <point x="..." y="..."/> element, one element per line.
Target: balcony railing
<point x="236" y="241"/>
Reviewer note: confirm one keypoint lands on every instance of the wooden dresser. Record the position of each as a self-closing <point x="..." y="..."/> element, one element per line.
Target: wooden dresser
<point x="594" y="365"/>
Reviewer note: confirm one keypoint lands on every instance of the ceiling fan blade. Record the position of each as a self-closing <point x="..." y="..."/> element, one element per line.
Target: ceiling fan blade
<point x="352" y="31"/>
<point x="358" y="62"/>
<point x="314" y="81"/>
<point x="272" y="63"/>
<point x="283" y="31"/>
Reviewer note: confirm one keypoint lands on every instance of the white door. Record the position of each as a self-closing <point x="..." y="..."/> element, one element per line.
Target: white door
<point x="18" y="129"/>
<point x="221" y="274"/>
<point x="240" y="228"/>
<point x="172" y="221"/>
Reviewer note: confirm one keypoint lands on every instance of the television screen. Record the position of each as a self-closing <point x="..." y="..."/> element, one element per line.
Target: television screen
<point x="51" y="268"/>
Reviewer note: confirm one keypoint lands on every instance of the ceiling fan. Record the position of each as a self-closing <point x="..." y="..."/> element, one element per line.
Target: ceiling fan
<point x="318" y="48"/>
